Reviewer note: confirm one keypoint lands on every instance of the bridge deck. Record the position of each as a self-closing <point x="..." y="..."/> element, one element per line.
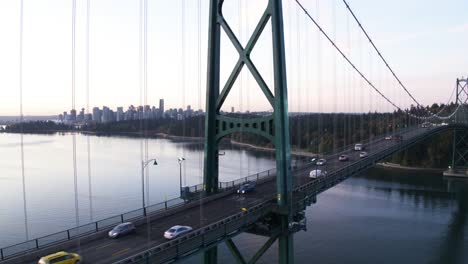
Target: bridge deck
<point x="101" y="249"/>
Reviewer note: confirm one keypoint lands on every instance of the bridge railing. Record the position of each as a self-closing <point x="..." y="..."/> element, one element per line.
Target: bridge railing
<point x="94" y="227"/>
<point x="200" y="238"/>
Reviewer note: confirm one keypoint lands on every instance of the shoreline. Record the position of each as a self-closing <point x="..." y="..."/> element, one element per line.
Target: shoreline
<point x="384" y="165"/>
<point x="293" y="152"/>
<point x="389" y="165"/>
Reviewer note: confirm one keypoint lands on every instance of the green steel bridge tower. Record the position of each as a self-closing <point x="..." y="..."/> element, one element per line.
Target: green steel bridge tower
<point x="274" y="127"/>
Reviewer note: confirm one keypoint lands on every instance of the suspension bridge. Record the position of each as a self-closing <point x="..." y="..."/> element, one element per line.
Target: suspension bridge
<point x="275" y="209"/>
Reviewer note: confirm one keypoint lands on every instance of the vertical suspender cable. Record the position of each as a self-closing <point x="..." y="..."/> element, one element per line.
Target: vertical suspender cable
<point x="348" y="99"/>
<point x="90" y="189"/>
<point x="299" y="77"/>
<point x="247" y="84"/>
<point x="140" y="86"/>
<point x="307" y="90"/>
<point x="371" y="124"/>
<point x="319" y="84"/>
<point x="361" y="121"/>
<point x="23" y="177"/>
<point x="239" y="78"/>
<point x="73" y="61"/>
<point x="145" y="112"/>
<point x="335" y="128"/>
<point x="145" y="94"/>
<point x="199" y="105"/>
<point x="183" y="80"/>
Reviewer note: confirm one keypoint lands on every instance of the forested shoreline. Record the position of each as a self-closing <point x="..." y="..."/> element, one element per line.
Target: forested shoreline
<point x="309" y="132"/>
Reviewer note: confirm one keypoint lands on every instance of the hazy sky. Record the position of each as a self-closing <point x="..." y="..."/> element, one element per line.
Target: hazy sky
<point x="424" y="41"/>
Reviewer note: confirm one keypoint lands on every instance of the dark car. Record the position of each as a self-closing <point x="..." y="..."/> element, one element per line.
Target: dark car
<point x="398" y="138"/>
<point x="245" y="188"/>
<point x="122" y="229"/>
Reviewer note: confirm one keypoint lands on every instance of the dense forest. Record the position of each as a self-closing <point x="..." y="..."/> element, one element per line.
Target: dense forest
<point x="311" y="132"/>
<point x="37" y="127"/>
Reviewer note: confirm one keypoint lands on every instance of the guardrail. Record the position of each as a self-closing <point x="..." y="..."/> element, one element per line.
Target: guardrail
<point x="201" y="238"/>
<point x="217" y="232"/>
<point x="94" y="227"/>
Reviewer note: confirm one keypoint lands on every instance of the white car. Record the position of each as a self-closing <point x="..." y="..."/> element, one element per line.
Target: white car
<point x="363" y="154"/>
<point x="321" y="162"/>
<point x="317" y="173"/>
<point x="388" y="137"/>
<point x="176" y="231"/>
<point x="359" y="147"/>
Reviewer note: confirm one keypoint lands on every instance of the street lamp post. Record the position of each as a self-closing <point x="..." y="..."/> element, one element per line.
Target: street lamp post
<point x="180" y="160"/>
<point x="143" y="166"/>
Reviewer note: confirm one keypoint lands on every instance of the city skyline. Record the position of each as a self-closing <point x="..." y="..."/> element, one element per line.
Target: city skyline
<point x="138" y="112"/>
<point x="115" y="75"/>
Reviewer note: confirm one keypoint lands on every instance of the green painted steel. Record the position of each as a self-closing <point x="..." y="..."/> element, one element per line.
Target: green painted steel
<point x="274" y="127"/>
<point x="235" y="251"/>
<point x="210" y="169"/>
<point x="460" y="136"/>
<point x="263" y="249"/>
<point x="210" y="256"/>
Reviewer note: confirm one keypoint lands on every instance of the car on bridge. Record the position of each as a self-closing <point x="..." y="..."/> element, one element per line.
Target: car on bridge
<point x="317" y="173"/>
<point x="176" y="231"/>
<point x="389" y="137"/>
<point x="398" y="138"/>
<point x="426" y="125"/>
<point x="122" y="229"/>
<point x="314" y="160"/>
<point x="363" y="154"/>
<point x="321" y="162"/>
<point x="343" y="157"/>
<point x="359" y="147"/>
<point x="61" y="257"/>
<point x="247" y="187"/>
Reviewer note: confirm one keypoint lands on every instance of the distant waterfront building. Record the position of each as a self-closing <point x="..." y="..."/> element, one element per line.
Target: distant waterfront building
<point x="120" y="114"/>
<point x="73" y="115"/>
<point x="161" y="107"/>
<point x="96" y="114"/>
<point x="106" y="115"/>
<point x="133" y="113"/>
<point x="81" y="116"/>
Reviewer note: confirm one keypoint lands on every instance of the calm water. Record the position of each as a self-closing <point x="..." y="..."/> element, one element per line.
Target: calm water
<point x="115" y="178"/>
<point x="383" y="216"/>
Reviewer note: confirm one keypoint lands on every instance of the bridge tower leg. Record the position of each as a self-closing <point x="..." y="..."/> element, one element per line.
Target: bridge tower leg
<point x="460" y="137"/>
<point x="274" y="127"/>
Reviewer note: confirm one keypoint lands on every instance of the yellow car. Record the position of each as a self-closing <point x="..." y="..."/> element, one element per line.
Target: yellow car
<point x="61" y="257"/>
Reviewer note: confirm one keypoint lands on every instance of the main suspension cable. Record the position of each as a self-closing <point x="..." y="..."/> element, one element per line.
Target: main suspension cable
<point x="386" y="63"/>
<point x="345" y="57"/>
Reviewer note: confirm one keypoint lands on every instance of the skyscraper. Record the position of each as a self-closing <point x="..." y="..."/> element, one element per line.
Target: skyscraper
<point x="161" y="106"/>
<point x="73" y="115"/>
<point x="120" y="114"/>
<point x="96" y="115"/>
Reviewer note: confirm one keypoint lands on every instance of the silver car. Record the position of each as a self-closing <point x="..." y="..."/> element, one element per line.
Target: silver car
<point x="321" y="162"/>
<point x="122" y="230"/>
<point x="176" y="231"/>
